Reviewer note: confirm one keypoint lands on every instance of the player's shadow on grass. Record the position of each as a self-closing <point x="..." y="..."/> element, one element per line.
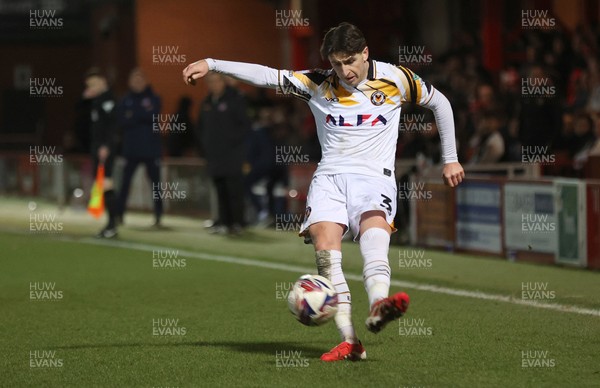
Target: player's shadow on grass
<point x="269" y="347"/>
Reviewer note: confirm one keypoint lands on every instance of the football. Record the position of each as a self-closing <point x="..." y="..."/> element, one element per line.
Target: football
<point x="313" y="300"/>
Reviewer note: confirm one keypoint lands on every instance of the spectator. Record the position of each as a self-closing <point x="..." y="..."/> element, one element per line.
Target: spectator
<point x="593" y="103"/>
<point x="540" y="113"/>
<point x="261" y="161"/>
<point x="486" y="98"/>
<point x="584" y="139"/>
<point x="180" y="140"/>
<point x="512" y="145"/>
<point x="141" y="143"/>
<point x="222" y="126"/>
<point x="595" y="149"/>
<point x="488" y="143"/>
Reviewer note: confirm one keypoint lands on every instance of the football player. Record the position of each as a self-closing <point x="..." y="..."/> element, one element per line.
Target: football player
<point x="356" y="106"/>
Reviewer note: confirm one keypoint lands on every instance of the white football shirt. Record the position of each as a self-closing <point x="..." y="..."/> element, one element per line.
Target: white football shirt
<point x="357" y="126"/>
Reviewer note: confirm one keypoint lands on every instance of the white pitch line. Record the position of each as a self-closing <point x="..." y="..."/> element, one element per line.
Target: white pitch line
<point x="299" y="269"/>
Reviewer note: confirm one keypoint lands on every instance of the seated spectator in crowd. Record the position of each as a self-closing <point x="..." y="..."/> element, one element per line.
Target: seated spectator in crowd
<point x="487" y="143"/>
<point x="584" y="139"/>
<point x="595" y="149"/>
<point x="593" y="103"/>
<point x="512" y="145"/>
<point x="540" y="111"/>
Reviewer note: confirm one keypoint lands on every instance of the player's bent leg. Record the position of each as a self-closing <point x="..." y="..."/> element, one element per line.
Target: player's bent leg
<point x="374" y="247"/>
<point x="327" y="239"/>
<point x="327" y="235"/>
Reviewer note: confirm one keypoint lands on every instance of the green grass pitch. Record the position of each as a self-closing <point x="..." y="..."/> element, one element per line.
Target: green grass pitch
<point x="113" y="319"/>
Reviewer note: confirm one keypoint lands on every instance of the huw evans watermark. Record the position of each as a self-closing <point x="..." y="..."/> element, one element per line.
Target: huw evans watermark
<point x="288" y="222"/>
<point x="288" y="89"/>
<point x="44" y="87"/>
<point x="287" y="155"/>
<point x="413" y="55"/>
<point x="167" y="259"/>
<point x="45" y="223"/>
<point x="537" y="359"/>
<point x="413" y="258"/>
<point x="537" y="223"/>
<point x="167" y="55"/>
<point x="414" y="327"/>
<point x="538" y="19"/>
<point x="290" y="18"/>
<point x="413" y="191"/>
<point x="44" y="359"/>
<point x="537" y="155"/>
<point x="44" y="291"/>
<point x="168" y="191"/>
<point x="290" y="359"/>
<point x="162" y="327"/>
<point x="412" y="122"/>
<point x="282" y="290"/>
<point x="167" y="123"/>
<point x="536" y="291"/>
<point x="45" y="19"/>
<point x="44" y="155"/>
<point x="537" y="87"/>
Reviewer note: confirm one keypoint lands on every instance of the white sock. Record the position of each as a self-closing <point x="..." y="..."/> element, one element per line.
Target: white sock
<point x="329" y="265"/>
<point x="374" y="246"/>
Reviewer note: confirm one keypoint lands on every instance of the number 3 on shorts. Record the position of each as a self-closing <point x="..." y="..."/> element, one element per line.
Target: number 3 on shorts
<point x="386" y="203"/>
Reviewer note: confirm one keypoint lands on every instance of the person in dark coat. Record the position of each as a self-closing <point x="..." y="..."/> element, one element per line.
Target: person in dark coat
<point x="137" y="115"/>
<point x="222" y="128"/>
<point x="261" y="161"/>
<point x="179" y="142"/>
<point x="103" y="129"/>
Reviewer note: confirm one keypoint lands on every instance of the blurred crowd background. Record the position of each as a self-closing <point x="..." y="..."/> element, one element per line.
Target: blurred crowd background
<point x="519" y="74"/>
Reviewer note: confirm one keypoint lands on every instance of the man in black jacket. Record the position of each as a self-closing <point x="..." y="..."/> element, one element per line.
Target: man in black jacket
<point x="222" y="129"/>
<point x="141" y="143"/>
<point x="102" y="116"/>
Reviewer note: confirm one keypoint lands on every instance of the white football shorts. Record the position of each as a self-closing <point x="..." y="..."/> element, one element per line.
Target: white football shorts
<point x="343" y="198"/>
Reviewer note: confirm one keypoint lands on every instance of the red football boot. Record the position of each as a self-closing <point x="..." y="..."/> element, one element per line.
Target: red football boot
<point x="386" y="310"/>
<point x="345" y="351"/>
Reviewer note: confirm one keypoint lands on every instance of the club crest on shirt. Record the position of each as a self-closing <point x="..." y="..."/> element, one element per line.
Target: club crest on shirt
<point x="378" y="98"/>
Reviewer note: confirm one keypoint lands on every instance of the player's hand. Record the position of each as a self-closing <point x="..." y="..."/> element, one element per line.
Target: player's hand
<point x="195" y="71"/>
<point x="103" y="153"/>
<point x="453" y="174"/>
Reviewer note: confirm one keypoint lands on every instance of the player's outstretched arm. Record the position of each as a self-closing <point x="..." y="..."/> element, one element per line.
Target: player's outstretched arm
<point x="256" y="75"/>
<point x="453" y="173"/>
<point x="195" y="71"/>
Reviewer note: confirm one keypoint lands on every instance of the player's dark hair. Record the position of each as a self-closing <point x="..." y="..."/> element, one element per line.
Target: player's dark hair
<point x="345" y="38"/>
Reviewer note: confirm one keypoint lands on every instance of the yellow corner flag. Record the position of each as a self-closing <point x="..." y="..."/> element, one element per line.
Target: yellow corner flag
<point x="96" y="204"/>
